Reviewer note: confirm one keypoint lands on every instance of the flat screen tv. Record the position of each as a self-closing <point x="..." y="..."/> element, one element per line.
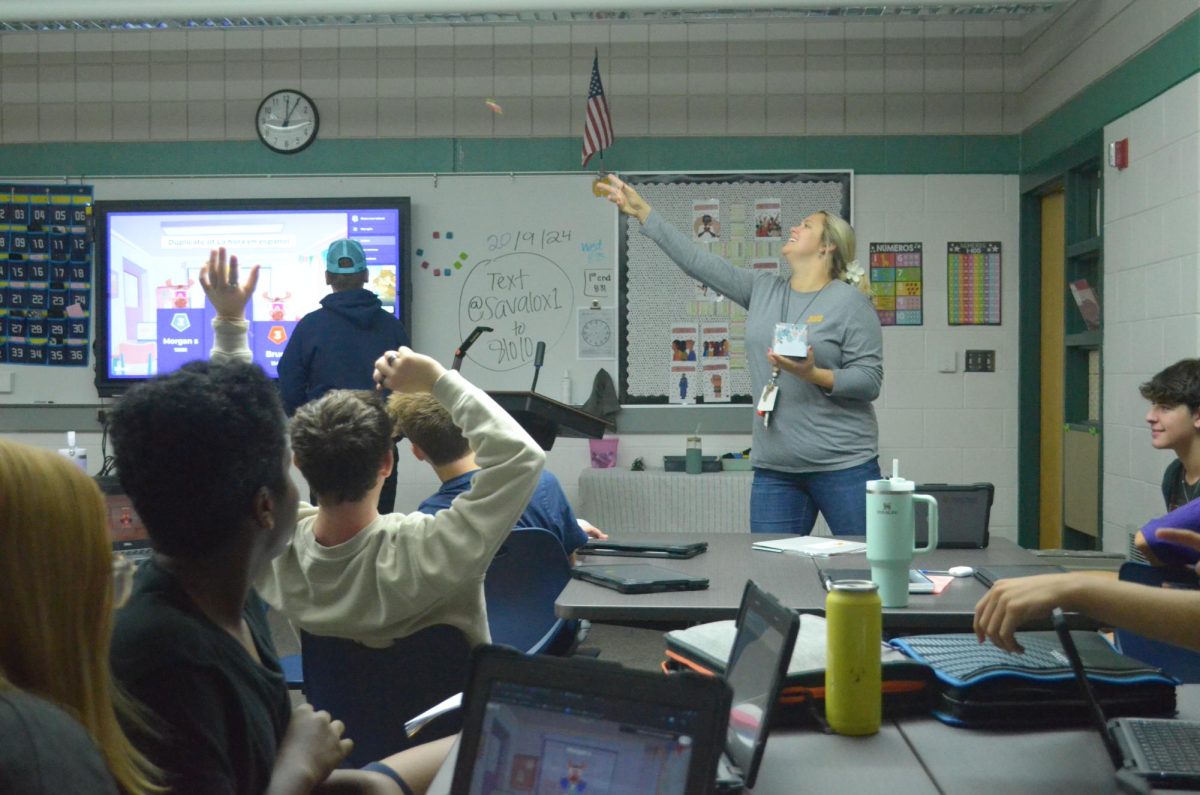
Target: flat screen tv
<point x="151" y="312"/>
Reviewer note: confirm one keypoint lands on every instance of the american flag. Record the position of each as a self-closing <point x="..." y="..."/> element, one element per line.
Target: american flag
<point x="597" y="129"/>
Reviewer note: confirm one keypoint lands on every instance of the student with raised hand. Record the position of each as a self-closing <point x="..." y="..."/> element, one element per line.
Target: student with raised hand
<point x="437" y="441"/>
<point x="821" y="445"/>
<point x="203" y="454"/>
<point x="60" y="713"/>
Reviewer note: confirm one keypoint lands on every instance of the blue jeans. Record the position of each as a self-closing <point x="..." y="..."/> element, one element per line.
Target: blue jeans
<point x="787" y="502"/>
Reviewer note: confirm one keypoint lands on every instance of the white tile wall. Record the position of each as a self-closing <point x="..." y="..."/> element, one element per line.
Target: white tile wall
<point x="822" y="77"/>
<point x="1152" y="300"/>
<point x="1088" y="40"/>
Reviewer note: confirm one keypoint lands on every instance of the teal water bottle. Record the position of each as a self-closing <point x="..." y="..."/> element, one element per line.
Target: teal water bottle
<point x="693" y="462"/>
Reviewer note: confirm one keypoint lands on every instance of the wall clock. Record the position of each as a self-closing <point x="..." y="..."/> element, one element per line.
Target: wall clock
<point x="287" y="121"/>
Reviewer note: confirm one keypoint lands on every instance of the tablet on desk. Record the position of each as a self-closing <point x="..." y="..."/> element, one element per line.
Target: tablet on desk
<point x="638" y="578"/>
<point x="988" y="575"/>
<point x="917" y="581"/>
<point x="677" y="551"/>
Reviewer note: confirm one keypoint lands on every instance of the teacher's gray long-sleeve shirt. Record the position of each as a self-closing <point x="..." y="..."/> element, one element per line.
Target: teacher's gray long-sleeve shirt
<point x="811" y="430"/>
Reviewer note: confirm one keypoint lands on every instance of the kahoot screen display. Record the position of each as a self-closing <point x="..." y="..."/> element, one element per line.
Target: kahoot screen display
<point x="152" y="313"/>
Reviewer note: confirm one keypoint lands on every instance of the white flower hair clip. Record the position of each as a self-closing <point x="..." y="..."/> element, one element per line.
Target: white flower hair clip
<point x="854" y="272"/>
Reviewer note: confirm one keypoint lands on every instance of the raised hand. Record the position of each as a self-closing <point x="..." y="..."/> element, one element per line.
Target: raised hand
<point x="219" y="278"/>
<point x="626" y="198"/>
<point x="406" y="370"/>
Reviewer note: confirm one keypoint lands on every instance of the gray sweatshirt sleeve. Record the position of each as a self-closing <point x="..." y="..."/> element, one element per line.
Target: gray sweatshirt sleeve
<point x="861" y="372"/>
<point x="717" y="272"/>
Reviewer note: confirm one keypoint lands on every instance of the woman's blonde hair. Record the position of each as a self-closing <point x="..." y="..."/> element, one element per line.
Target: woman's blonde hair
<point x="839" y="235"/>
<point x="56" y="595"/>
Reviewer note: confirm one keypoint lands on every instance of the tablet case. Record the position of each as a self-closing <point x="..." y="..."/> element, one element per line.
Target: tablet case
<point x="964" y="513"/>
<point x="638" y="578"/>
<point x="988" y="575"/>
<point x="980" y="685"/>
<point x="705" y="649"/>
<point x="675" y="551"/>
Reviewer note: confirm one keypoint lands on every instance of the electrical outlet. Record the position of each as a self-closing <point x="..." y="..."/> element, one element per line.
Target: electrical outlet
<point x="981" y="362"/>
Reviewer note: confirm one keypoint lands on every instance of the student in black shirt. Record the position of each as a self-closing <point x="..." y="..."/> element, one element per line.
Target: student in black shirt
<point x="203" y="454"/>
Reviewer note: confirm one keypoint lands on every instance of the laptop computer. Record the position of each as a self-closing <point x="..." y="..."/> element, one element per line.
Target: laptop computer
<point x="125" y="528"/>
<point x="552" y="724"/>
<point x="544" y="724"/>
<point x="638" y="577"/>
<point x="1158" y="752"/>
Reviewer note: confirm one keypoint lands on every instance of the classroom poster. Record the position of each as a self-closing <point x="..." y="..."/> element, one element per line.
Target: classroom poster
<point x="45" y="274"/>
<point x="767" y="219"/>
<point x="897" y="283"/>
<point x="973" y="284"/>
<point x="706" y="221"/>
<point x="682" y="383"/>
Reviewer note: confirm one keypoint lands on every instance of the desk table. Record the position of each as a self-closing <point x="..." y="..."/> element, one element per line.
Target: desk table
<point x="921" y="755"/>
<point x="792" y="578"/>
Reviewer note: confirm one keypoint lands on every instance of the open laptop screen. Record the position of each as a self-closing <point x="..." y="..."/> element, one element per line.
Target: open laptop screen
<point x="757" y="663"/>
<point x="541" y="740"/>
<point x="125" y="527"/>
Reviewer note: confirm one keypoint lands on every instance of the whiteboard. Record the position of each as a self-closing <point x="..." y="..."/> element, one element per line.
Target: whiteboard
<point x="525" y="254"/>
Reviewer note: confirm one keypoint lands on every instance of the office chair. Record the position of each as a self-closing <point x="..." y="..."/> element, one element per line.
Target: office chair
<point x="374" y="691"/>
<point x="526" y="576"/>
<point x="1183" y="664"/>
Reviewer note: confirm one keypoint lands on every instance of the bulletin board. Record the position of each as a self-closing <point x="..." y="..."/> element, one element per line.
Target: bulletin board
<point x="45" y="275"/>
<point x="681" y="342"/>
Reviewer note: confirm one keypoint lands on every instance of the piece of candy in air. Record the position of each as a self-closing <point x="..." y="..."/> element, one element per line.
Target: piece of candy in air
<point x="494" y="106"/>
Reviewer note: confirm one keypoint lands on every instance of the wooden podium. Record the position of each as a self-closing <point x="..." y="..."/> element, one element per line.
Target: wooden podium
<point x="545" y="419"/>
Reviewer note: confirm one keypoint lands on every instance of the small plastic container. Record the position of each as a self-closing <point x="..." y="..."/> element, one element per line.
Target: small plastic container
<point x="603" y="452"/>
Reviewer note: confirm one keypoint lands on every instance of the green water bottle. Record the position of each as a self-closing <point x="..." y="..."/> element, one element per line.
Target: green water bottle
<point x="853" y="634"/>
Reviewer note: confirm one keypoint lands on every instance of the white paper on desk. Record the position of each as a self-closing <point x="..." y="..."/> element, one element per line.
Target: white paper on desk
<point x="816" y="546"/>
<point x="414" y="725"/>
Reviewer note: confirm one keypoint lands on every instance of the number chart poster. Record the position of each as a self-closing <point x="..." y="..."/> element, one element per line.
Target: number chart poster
<point x="896" y="283"/>
<point x="45" y="274"/>
<point x="973" y="284"/>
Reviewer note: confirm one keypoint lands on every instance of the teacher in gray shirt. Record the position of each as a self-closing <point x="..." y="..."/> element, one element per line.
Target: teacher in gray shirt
<point x="816" y="440"/>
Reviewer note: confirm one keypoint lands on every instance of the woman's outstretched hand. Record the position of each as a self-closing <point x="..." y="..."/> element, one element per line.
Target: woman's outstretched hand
<point x="626" y="198"/>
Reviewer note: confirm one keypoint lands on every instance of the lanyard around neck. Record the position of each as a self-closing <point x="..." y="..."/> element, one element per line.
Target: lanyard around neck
<point x="787" y="302"/>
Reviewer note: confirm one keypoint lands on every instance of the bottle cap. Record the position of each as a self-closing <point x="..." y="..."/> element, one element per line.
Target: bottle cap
<point x="859" y="586"/>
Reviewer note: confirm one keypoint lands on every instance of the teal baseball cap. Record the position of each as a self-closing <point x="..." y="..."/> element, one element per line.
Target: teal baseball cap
<point x="345" y="249"/>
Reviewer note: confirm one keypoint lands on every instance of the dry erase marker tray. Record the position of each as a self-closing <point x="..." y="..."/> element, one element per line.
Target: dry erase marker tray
<point x="678" y="463"/>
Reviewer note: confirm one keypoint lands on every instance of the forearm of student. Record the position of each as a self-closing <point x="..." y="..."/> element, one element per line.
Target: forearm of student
<point x="478" y="521"/>
<point x="1170" y="615"/>
<point x="419" y="765"/>
<point x="357" y="782"/>
<point x="230" y="340"/>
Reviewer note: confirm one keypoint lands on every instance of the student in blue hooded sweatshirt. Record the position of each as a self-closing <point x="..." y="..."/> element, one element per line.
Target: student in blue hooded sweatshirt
<point x="335" y="347"/>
